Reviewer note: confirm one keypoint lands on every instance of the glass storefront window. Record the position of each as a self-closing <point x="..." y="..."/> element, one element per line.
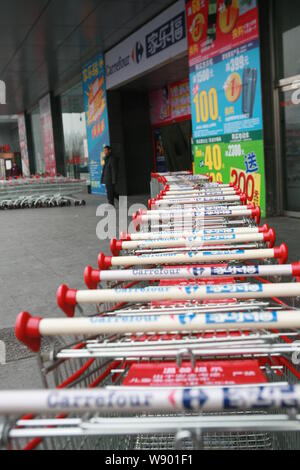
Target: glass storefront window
<point x="290" y="126"/>
<point x="287" y="27"/>
<point x="38" y="150"/>
<point x="76" y="153"/>
<point x="287" y="54"/>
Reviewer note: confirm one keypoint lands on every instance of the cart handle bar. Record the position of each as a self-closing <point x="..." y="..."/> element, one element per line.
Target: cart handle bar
<point x="255" y="214"/>
<point x="29" y="330"/>
<point x="68" y="298"/>
<point x="124" y="236"/>
<point x="266" y="237"/>
<point x="169" y="400"/>
<point x="92" y="277"/>
<point x="160" y="201"/>
<point x="280" y="253"/>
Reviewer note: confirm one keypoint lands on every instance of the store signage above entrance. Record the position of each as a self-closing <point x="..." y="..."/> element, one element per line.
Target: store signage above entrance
<point x="159" y="41"/>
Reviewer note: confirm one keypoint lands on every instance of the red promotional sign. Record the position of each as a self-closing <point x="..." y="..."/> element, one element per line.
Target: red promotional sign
<point x="47" y="136"/>
<point x="168" y="374"/>
<point x="180" y="99"/>
<point x="215" y="27"/>
<point x="170" y="103"/>
<point x="160" y="109"/>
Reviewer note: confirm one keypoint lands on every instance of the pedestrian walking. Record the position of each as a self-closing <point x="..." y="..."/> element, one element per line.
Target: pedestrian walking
<point x="110" y="175"/>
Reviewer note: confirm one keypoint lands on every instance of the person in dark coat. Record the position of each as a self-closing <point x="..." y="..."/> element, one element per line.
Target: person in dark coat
<point x="15" y="171"/>
<point x="110" y="175"/>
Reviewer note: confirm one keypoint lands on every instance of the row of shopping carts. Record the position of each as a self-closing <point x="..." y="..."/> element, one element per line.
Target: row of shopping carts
<point x="187" y="336"/>
<point x="40" y="192"/>
<point x="42" y="200"/>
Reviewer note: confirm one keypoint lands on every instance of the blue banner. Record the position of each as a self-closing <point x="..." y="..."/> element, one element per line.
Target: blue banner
<point x="95" y="106"/>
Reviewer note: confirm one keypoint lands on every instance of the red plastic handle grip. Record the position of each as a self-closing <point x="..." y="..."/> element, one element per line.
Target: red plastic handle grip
<point x="256" y="215"/>
<point x="91" y="277"/>
<point x="125" y="236"/>
<point x="270" y="237"/>
<point x="296" y="270"/>
<point x="115" y="246"/>
<point x="281" y="253"/>
<point x="104" y="262"/>
<point x="264" y="228"/>
<point x="66" y="299"/>
<point x="27" y="331"/>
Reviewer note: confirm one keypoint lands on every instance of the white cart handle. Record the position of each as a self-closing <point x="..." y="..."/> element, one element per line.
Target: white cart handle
<point x="127" y="400"/>
<point x="280" y="253"/>
<point x="196" y="210"/>
<point x="68" y="298"/>
<point x="251" y="213"/>
<point x="194" y="241"/>
<point x="206" y="199"/>
<point x="29" y="330"/>
<point x="206" y="232"/>
<point x="176" y="193"/>
<point x="92" y="277"/>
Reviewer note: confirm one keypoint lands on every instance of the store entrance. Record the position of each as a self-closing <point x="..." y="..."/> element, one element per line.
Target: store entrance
<point x="172" y="146"/>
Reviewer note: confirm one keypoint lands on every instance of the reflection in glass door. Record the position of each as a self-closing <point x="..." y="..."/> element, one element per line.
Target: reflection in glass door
<point x="290" y="126"/>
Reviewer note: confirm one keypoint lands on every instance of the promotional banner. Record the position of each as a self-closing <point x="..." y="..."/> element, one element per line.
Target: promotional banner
<point x="157" y="42"/>
<point x="226" y="93"/>
<point x="160" y="106"/>
<point x="217" y="26"/>
<point x="236" y="158"/>
<point x="47" y="136"/>
<point x="225" y="88"/>
<point x="180" y="100"/>
<point x="170" y="103"/>
<point x="23" y="145"/>
<point x="95" y="106"/>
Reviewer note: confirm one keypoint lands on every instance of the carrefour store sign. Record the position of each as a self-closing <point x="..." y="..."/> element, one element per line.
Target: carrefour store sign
<point x="159" y="41"/>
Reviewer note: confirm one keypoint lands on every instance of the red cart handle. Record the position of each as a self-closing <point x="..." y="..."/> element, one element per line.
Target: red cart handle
<point x="91" y="277"/>
<point x="27" y="331"/>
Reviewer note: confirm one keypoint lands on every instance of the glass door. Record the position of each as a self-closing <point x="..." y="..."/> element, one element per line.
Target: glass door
<point x="290" y="138"/>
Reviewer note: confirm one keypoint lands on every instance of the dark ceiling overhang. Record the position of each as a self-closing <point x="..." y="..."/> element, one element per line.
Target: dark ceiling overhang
<point x="45" y="43"/>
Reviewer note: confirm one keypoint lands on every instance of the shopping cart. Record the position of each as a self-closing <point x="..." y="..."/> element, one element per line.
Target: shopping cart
<point x="155" y="425"/>
<point x="40" y="192"/>
<point x="190" y="344"/>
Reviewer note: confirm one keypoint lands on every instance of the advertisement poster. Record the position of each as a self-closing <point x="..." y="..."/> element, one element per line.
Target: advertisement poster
<point x="236" y="158"/>
<point x="95" y="106"/>
<point x="217" y="26"/>
<point x="160" y="106"/>
<point x="225" y="89"/>
<point x="23" y="145"/>
<point x="170" y="103"/>
<point x="160" y="158"/>
<point x="47" y="136"/>
<point x="226" y="93"/>
<point x="180" y="100"/>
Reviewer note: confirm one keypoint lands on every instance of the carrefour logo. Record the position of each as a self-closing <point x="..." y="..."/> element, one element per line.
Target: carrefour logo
<point x="120" y="64"/>
<point x="137" y="52"/>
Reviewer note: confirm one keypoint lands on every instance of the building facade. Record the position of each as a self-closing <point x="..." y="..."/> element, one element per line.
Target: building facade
<point x="151" y="106"/>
